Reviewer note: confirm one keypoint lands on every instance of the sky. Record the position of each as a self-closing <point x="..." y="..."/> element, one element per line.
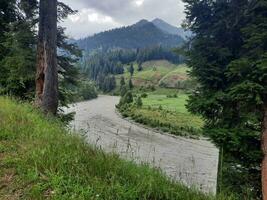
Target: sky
<point x="95" y="16"/>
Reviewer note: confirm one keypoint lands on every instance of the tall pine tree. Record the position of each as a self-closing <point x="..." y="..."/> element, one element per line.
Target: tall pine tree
<point x="227" y="55"/>
<point x="47" y="71"/>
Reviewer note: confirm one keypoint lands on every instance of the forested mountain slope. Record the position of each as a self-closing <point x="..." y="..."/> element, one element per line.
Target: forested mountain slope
<point x="140" y="35"/>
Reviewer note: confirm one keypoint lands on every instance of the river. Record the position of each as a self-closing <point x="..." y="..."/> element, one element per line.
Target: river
<point x="193" y="162"/>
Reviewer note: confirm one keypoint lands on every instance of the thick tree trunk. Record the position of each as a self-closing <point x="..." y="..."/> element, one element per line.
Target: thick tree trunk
<point x="47" y="73"/>
<point x="264" y="150"/>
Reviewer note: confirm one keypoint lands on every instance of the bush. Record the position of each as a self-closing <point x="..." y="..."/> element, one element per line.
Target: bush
<point x="126" y="99"/>
<point x="123" y="90"/>
<point x="171" y="96"/>
<point x="87" y="91"/>
<point x="139" y="102"/>
<point x="144" y="95"/>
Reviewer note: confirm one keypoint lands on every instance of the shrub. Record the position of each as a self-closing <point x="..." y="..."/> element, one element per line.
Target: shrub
<point x="144" y="95"/>
<point x="139" y="102"/>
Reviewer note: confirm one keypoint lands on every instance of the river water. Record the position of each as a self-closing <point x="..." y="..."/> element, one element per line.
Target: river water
<point x="193" y="162"/>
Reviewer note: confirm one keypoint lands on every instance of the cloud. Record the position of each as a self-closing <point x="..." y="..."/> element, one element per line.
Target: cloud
<point x="90" y="15"/>
<point x="139" y="3"/>
<point x="99" y="15"/>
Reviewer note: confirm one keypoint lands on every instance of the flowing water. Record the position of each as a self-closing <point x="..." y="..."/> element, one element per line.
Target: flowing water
<point x="193" y="162"/>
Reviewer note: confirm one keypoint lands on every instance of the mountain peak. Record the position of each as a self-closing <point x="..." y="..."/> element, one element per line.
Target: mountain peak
<point x="156" y="20"/>
<point x="170" y="29"/>
<point x="141" y="22"/>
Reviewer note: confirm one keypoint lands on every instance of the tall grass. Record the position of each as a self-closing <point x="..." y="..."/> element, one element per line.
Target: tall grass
<point x="39" y="159"/>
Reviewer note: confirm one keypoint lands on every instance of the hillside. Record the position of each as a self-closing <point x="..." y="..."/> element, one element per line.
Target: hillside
<point x="140" y="35"/>
<point x="160" y="73"/>
<point x="39" y="159"/>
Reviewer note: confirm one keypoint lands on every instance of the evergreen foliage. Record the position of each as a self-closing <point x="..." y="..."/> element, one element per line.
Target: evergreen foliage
<point x="138" y="102"/>
<point x="18" y="51"/>
<point x="126" y="99"/>
<point x="131" y="69"/>
<point x="130" y="84"/>
<point x="140" y="67"/>
<point x="17" y="44"/>
<point x="228" y="58"/>
<point x="106" y="83"/>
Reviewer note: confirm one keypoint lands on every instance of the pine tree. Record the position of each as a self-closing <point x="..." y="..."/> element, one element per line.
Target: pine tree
<point x="131" y="84"/>
<point x="227" y="56"/>
<point x="18" y="55"/>
<point x="17" y="48"/>
<point x="140" y="67"/>
<point x="139" y="102"/>
<point x="123" y="90"/>
<point x="131" y="69"/>
<point x="122" y="81"/>
<point x="47" y="73"/>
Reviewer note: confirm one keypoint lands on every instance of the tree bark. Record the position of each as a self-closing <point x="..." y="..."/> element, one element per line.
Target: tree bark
<point x="47" y="72"/>
<point x="264" y="150"/>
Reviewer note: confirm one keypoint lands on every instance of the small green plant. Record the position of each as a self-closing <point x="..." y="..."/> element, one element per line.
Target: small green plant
<point x="123" y="90"/>
<point x="126" y="99"/>
<point x="139" y="102"/>
<point x="144" y="95"/>
<point x="131" y="84"/>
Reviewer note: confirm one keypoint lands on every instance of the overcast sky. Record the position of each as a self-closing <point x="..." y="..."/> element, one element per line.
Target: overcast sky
<point x="98" y="15"/>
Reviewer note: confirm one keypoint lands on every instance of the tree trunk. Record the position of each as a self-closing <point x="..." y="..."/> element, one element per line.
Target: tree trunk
<point x="264" y="150"/>
<point x="47" y="73"/>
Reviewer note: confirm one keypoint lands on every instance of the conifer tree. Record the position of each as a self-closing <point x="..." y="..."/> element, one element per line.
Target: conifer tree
<point x="131" y="70"/>
<point x="227" y="56"/>
<point x="131" y="84"/>
<point x="47" y="70"/>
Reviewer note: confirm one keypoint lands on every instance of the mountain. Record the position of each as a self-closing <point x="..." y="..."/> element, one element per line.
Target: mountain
<point x="140" y="35"/>
<point x="167" y="28"/>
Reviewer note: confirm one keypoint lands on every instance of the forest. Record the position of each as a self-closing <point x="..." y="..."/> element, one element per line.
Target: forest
<point x="104" y="65"/>
<point x="207" y="92"/>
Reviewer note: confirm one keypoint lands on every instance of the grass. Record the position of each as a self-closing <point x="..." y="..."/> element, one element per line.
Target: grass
<point x="154" y="71"/>
<point x="168" y="114"/>
<point x="40" y="159"/>
<point x="173" y="78"/>
<point x="172" y="104"/>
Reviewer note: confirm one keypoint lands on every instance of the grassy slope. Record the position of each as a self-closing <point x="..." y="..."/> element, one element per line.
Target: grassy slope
<point x="39" y="159"/>
<point x="178" y="74"/>
<point x="156" y="71"/>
